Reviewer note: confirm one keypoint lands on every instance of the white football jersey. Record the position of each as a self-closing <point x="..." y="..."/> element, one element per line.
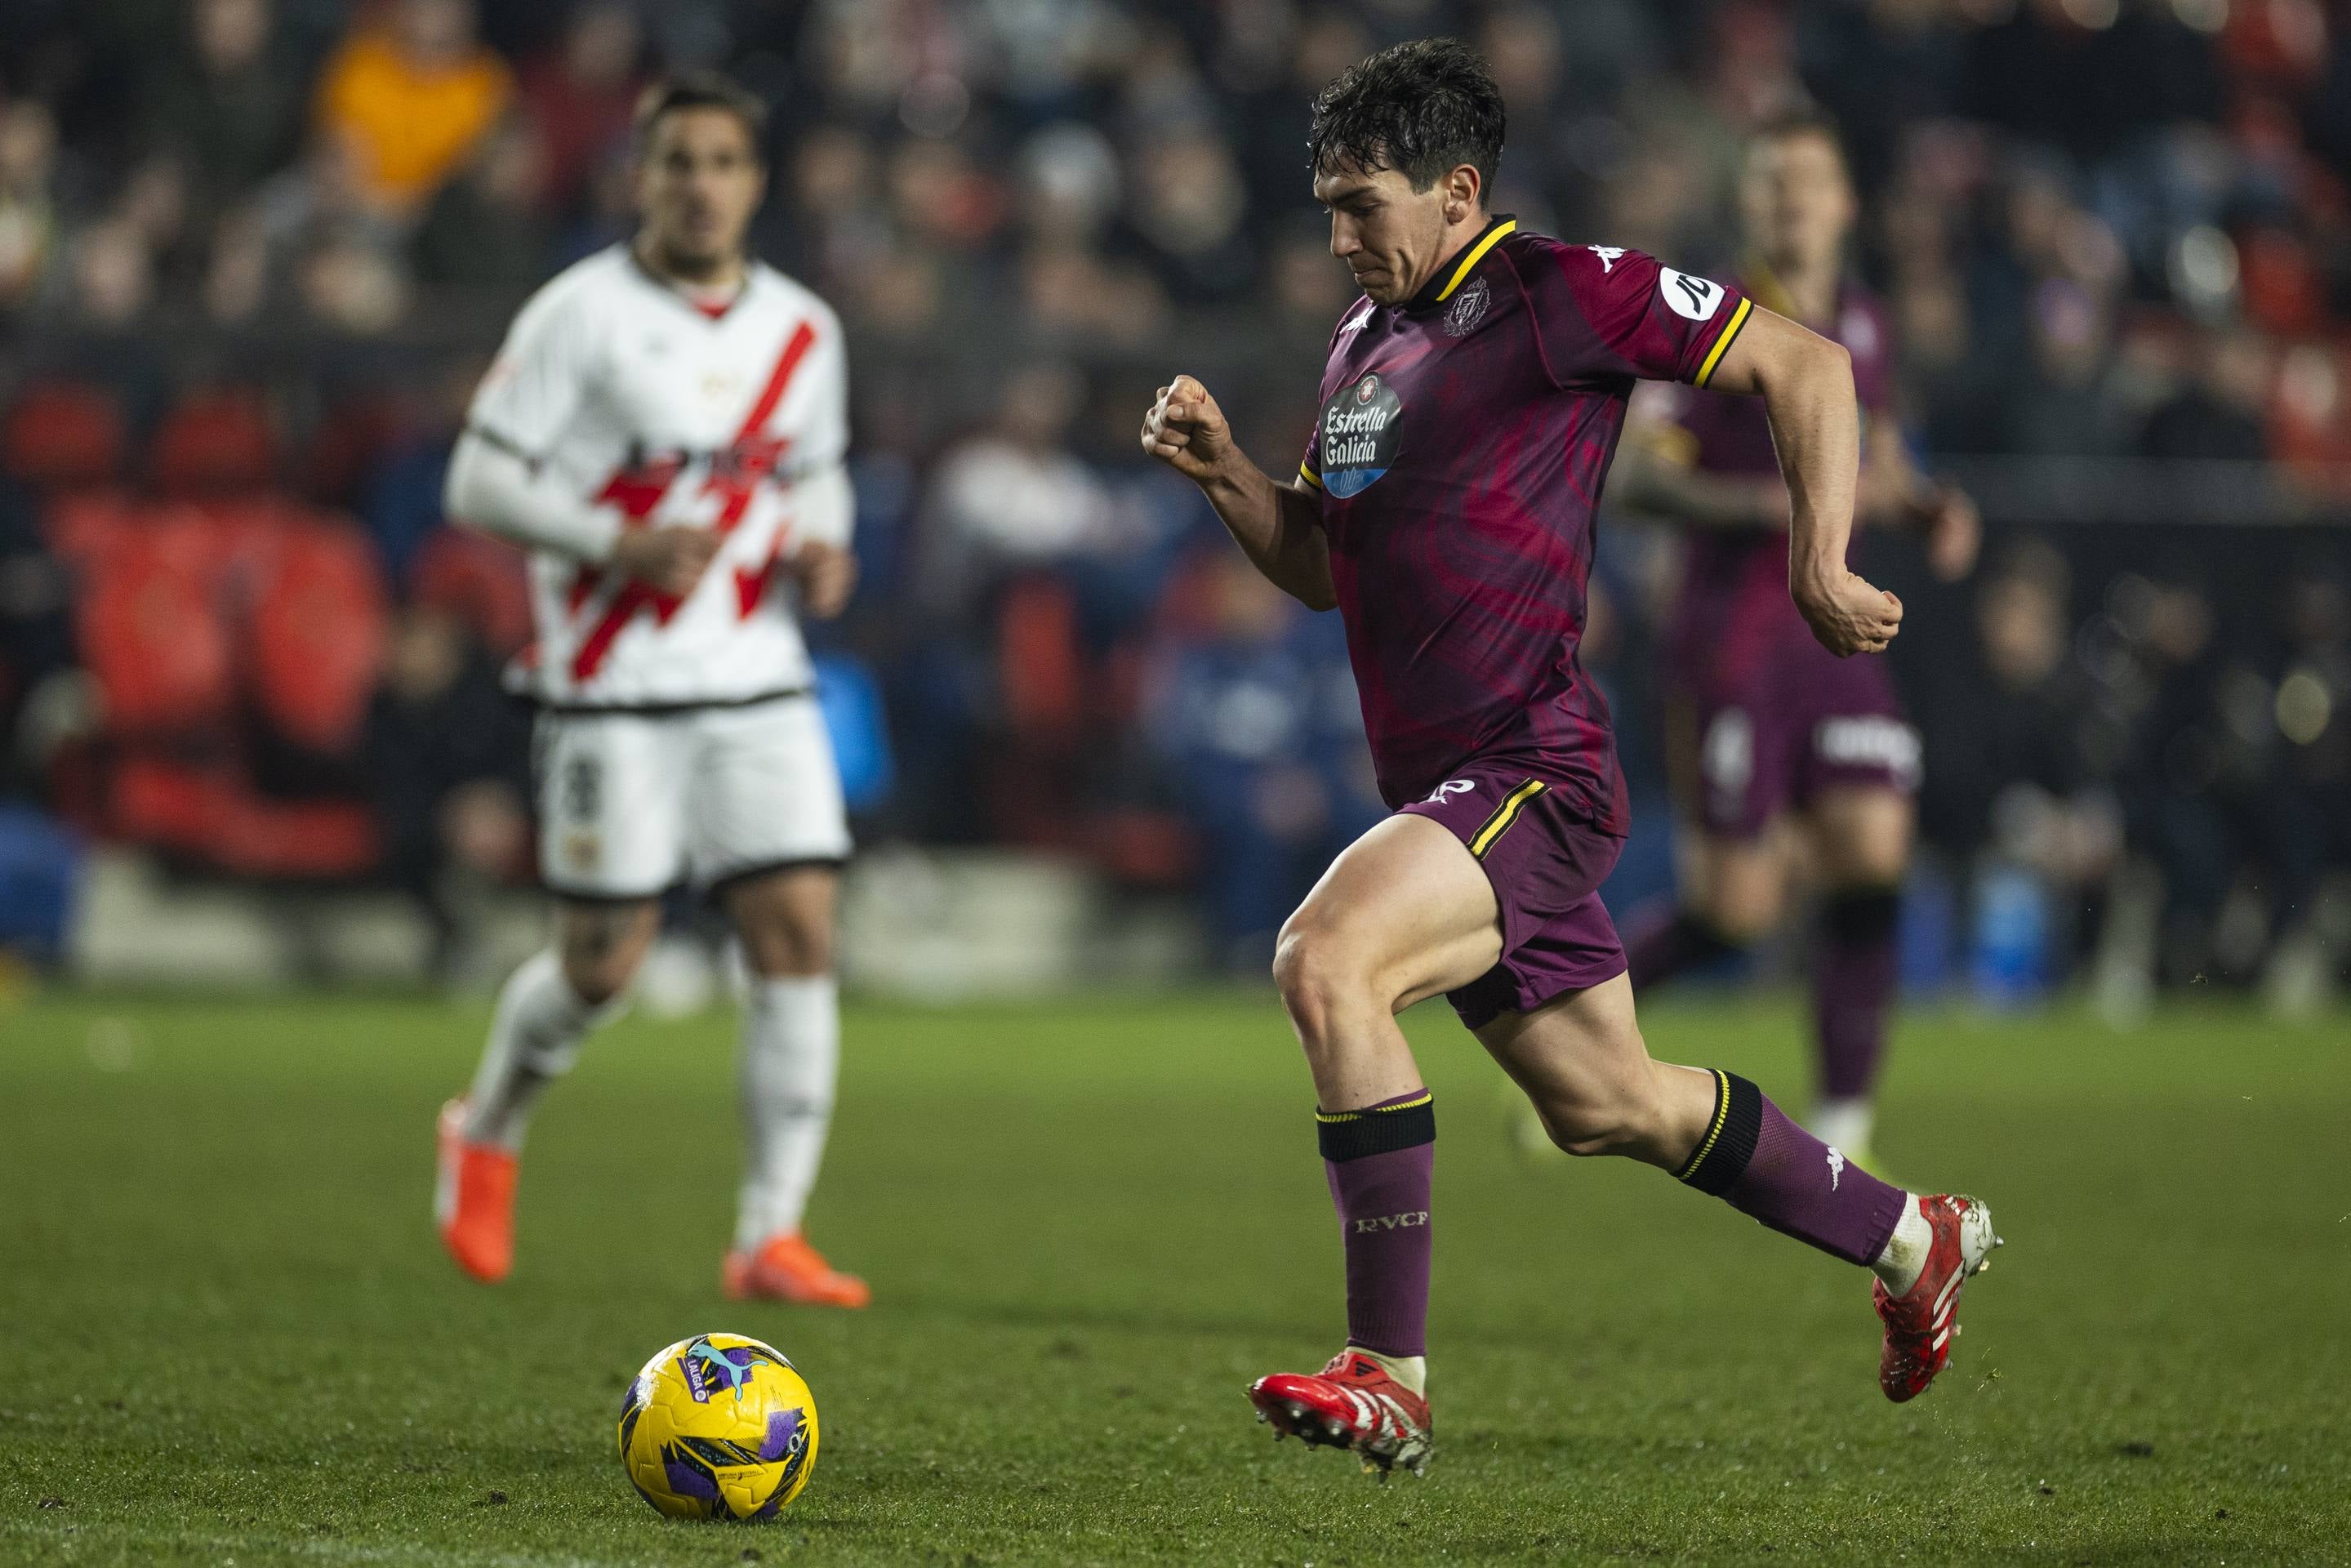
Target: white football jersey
<point x="635" y="397"/>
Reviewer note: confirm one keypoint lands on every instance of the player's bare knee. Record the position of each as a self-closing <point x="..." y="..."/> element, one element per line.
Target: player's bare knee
<point x="1587" y="1128"/>
<point x="787" y="950"/>
<point x="598" y="978"/>
<point x="600" y="949"/>
<point x="1316" y="974"/>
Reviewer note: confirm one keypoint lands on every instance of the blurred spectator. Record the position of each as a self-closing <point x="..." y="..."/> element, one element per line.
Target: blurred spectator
<point x="1253" y="705"/>
<point x="2220" y="414"/>
<point x="483" y="231"/>
<point x="2065" y="405"/>
<point x="412" y="95"/>
<point x="1015" y="495"/>
<point x="28" y="215"/>
<point x="1187" y="205"/>
<point x="2028" y="781"/>
<point x="578" y="96"/>
<point x="224" y="107"/>
<point x="448" y="766"/>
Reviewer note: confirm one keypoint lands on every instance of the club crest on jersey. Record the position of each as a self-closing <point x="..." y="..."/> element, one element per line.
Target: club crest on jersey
<point x="1357" y="436"/>
<point x="1468" y="309"/>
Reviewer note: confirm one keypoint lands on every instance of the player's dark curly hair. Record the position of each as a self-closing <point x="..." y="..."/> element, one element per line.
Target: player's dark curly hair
<point x="1421" y="108"/>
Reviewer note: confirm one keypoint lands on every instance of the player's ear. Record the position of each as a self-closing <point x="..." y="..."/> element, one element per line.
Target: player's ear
<point x="1462" y="186"/>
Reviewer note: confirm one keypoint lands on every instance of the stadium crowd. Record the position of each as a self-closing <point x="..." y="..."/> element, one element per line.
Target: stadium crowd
<point x="254" y="253"/>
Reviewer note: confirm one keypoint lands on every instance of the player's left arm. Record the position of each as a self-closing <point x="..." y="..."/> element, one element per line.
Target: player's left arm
<point x="1806" y="384"/>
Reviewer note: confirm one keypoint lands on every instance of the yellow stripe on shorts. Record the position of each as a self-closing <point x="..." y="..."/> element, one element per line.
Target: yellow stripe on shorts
<point x="1504" y="815"/>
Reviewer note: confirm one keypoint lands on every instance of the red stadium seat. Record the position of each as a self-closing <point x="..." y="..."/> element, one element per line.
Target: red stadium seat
<point x="215" y="443"/>
<point x="480" y="581"/>
<point x="1038" y="663"/>
<point x="153" y="634"/>
<point x="318" y="635"/>
<point x="83" y="529"/>
<point x="206" y="813"/>
<point x="63" y="436"/>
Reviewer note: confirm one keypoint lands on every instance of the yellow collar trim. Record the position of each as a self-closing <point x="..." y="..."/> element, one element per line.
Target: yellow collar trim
<point x="1477" y="251"/>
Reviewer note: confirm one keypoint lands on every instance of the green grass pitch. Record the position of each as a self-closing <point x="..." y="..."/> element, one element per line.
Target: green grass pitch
<point x="226" y="1332"/>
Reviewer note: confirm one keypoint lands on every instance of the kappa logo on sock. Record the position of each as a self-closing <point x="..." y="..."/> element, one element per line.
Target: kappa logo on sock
<point x="1374" y="1224"/>
<point x="1836" y="1167"/>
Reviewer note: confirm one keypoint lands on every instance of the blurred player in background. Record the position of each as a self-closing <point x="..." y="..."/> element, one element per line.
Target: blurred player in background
<point x="1471" y="401"/>
<point x="1777" y="751"/>
<point x="665" y="431"/>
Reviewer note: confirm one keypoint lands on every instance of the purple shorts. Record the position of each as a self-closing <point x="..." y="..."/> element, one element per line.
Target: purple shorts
<point x="1778" y="733"/>
<point x="1546" y="864"/>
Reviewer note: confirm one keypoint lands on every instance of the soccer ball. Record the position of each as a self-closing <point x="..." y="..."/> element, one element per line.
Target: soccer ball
<point x="719" y="1427"/>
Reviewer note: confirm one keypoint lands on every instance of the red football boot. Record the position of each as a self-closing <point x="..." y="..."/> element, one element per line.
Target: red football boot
<point x="1352" y="1404"/>
<point x="473" y="1200"/>
<point x="1921" y="1323"/>
<point x="787" y="1269"/>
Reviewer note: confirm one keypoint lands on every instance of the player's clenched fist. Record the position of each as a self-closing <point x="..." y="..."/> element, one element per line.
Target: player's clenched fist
<point x="1186" y="430"/>
<point x="1848" y="615"/>
<point x="668" y="559"/>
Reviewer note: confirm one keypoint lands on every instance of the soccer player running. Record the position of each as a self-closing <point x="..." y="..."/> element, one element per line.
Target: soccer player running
<point x="1471" y="401"/>
<point x="1772" y="739"/>
<point x="665" y="431"/>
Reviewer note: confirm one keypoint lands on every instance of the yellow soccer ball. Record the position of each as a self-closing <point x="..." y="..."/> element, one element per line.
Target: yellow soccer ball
<point x="719" y="1427"/>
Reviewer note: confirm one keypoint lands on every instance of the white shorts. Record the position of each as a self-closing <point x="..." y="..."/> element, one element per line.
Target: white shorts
<point x="630" y="805"/>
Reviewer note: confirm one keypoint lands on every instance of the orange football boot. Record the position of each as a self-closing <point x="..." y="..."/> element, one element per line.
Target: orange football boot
<point x="787" y="1269"/>
<point x="474" y="1200"/>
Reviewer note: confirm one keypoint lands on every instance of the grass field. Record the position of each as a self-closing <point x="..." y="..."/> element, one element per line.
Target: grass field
<point x="226" y="1334"/>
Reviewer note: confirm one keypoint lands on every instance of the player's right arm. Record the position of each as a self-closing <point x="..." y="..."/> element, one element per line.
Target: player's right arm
<point x="1278" y="526"/>
<point x="500" y="482"/>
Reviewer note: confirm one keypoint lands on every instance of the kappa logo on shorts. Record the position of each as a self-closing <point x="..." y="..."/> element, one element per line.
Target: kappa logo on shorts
<point x="1357" y="435"/>
<point x="1452" y="787"/>
<point x="1836" y="1167"/>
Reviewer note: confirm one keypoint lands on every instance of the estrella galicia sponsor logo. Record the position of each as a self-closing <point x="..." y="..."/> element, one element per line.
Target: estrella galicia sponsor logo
<point x="1358" y="435"/>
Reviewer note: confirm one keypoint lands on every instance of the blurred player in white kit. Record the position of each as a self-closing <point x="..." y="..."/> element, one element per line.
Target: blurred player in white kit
<point x="665" y="431"/>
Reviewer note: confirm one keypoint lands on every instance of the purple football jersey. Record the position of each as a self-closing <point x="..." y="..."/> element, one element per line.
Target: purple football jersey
<point x="1734" y="610"/>
<point x="1460" y="455"/>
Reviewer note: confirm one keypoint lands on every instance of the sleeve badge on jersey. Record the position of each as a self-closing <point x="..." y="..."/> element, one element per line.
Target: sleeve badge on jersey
<point x="1692" y="298"/>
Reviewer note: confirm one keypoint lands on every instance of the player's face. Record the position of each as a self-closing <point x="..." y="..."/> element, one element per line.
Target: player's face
<point x="1797" y="200"/>
<point x="698" y="183"/>
<point x="1388" y="234"/>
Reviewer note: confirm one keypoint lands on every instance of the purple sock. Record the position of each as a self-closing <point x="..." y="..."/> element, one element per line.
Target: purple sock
<point x="1764" y="1166"/>
<point x="1658" y="948"/>
<point x="1379" y="1161"/>
<point x="1855" y="967"/>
